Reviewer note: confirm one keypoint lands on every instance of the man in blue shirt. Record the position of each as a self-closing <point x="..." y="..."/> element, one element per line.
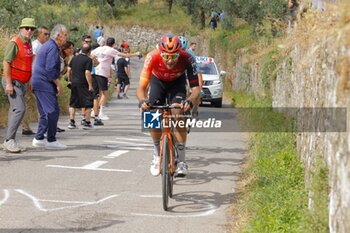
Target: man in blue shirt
<point x="46" y="87"/>
<point x="98" y="32"/>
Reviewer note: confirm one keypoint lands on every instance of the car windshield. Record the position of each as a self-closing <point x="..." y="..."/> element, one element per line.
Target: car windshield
<point x="207" y="68"/>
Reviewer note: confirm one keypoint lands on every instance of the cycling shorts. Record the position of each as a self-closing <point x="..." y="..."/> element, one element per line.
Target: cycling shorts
<point x="160" y="90"/>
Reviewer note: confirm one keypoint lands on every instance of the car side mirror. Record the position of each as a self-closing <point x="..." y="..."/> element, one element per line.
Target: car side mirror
<point x="222" y="73"/>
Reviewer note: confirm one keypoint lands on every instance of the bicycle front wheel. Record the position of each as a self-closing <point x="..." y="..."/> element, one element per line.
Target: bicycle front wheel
<point x="165" y="173"/>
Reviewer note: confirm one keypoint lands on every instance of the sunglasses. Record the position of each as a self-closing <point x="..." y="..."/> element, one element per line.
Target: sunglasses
<point x="29" y="28"/>
<point x="46" y="33"/>
<point x="168" y="56"/>
<point x="88" y="41"/>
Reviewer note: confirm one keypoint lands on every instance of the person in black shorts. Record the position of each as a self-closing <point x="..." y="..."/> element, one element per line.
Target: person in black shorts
<point x="123" y="75"/>
<point x="79" y="75"/>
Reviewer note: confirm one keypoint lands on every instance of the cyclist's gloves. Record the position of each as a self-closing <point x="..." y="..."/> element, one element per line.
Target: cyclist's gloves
<point x="188" y="102"/>
<point x="146" y="101"/>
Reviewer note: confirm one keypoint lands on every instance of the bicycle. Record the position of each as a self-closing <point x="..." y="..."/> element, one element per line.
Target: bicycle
<point x="168" y="153"/>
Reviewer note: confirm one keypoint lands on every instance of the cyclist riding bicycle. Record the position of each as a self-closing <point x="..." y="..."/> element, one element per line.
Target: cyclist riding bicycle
<point x="164" y="71"/>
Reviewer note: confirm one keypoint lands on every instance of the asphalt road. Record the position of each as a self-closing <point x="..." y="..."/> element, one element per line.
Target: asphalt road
<point x="102" y="183"/>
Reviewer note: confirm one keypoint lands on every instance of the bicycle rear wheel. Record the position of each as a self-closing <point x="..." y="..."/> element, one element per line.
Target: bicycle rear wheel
<point x="165" y="173"/>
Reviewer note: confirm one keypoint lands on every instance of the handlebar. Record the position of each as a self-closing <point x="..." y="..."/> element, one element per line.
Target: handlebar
<point x="165" y="107"/>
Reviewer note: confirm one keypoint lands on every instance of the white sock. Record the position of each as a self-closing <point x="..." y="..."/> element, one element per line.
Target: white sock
<point x="156" y="147"/>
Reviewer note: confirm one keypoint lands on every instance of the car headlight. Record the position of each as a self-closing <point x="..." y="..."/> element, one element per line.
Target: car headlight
<point x="216" y="82"/>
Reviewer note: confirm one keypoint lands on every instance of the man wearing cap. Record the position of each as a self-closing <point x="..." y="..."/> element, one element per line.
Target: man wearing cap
<point x="17" y="72"/>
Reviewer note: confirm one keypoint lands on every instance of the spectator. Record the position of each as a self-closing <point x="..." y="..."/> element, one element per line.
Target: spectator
<point x="105" y="55"/>
<point x="98" y="32"/>
<point x="101" y="41"/>
<point x="123" y="72"/>
<point x="213" y="23"/>
<point x="66" y="54"/>
<point x="96" y="93"/>
<point x="43" y="36"/>
<point x="79" y="75"/>
<point x="221" y="15"/>
<point x="46" y="87"/>
<point x="214" y="14"/>
<point x="17" y="72"/>
<point x="293" y="6"/>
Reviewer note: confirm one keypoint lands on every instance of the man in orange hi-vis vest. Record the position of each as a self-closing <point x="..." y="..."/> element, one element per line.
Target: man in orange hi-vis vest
<point x="17" y="72"/>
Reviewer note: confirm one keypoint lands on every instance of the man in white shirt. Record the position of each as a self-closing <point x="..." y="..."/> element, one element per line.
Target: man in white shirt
<point x="105" y="55"/>
<point x="43" y="36"/>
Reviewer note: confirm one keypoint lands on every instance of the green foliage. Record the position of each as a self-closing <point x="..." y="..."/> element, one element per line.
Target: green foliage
<point x="269" y="68"/>
<point x="110" y="8"/>
<point x="317" y="216"/>
<point x="250" y="10"/>
<point x="276" y="197"/>
<point x="13" y="11"/>
<point x="276" y="9"/>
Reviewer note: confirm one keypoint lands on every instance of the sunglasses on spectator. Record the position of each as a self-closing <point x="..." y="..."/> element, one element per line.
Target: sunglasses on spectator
<point x="168" y="56"/>
<point x="29" y="28"/>
<point x="46" y="33"/>
<point x="88" y="41"/>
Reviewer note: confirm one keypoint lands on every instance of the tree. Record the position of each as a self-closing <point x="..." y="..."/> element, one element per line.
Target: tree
<point x="13" y="11"/>
<point x="170" y="5"/>
<point x="198" y="9"/>
<point x="111" y="6"/>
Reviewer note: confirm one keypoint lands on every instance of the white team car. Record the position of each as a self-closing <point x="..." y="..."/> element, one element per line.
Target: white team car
<point x="212" y="84"/>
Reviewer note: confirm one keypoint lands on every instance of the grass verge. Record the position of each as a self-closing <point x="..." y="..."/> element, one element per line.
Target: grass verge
<point x="274" y="197"/>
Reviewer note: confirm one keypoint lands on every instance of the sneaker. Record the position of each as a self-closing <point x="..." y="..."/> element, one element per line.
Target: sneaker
<point x="59" y="130"/>
<point x="72" y="125"/>
<point x="125" y="96"/>
<point x="11" y="146"/>
<point x="55" y="146"/>
<point x="98" y="122"/>
<point x="83" y="121"/>
<point x="119" y="97"/>
<point x="103" y="116"/>
<point x="155" y="166"/>
<point x="87" y="126"/>
<point x="27" y="132"/>
<point x="181" y="170"/>
<point x="38" y="143"/>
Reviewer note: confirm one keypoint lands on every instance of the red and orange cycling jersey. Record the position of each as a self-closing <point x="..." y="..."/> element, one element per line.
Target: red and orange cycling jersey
<point x="154" y="65"/>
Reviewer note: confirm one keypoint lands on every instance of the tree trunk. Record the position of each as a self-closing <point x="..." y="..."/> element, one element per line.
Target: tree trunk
<point x="202" y="18"/>
<point x="170" y="4"/>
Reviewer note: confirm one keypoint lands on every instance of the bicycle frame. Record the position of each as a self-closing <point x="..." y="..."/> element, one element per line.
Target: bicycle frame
<point x="167" y="154"/>
<point x="166" y="133"/>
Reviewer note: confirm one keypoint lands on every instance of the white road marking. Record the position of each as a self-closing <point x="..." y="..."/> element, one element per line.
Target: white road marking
<point x="94" y="165"/>
<point x="127" y="147"/>
<point x="116" y="154"/>
<point x="135" y="139"/>
<point x="211" y="209"/>
<point x="89" y="167"/>
<point x="158" y="196"/>
<point x="130" y="143"/>
<point x="6" y="197"/>
<point x="135" y="148"/>
<point x="37" y="202"/>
